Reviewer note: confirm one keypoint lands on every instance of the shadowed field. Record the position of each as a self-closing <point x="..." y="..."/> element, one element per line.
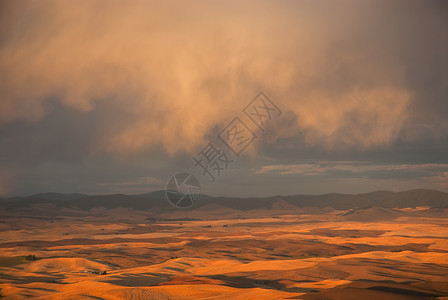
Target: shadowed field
<point x="276" y="253"/>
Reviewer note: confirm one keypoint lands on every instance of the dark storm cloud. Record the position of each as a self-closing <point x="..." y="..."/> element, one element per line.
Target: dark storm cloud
<point x="119" y="100"/>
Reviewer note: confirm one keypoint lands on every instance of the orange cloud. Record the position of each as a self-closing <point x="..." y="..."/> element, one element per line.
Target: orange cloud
<point x="177" y="69"/>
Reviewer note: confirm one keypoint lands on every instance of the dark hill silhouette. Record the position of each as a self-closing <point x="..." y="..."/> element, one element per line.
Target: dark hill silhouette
<point x="156" y="200"/>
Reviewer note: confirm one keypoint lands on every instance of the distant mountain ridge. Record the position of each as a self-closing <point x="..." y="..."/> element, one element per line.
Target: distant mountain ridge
<point x="156" y="200"/>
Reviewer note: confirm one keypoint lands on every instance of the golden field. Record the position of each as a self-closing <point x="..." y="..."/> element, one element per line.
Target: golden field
<point x="218" y="253"/>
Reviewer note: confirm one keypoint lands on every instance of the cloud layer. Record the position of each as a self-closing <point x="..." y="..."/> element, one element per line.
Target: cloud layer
<point x="89" y="78"/>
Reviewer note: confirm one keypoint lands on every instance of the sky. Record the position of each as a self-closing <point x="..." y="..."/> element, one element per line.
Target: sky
<point x="103" y="97"/>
